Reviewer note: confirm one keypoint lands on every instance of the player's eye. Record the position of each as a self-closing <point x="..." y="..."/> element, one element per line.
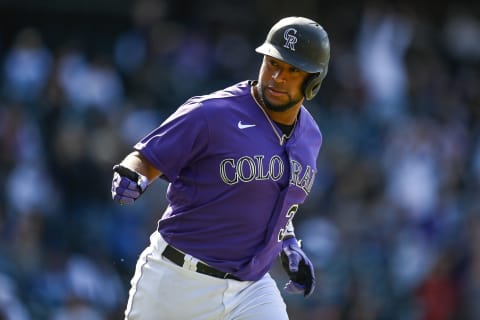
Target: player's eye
<point x="273" y="63"/>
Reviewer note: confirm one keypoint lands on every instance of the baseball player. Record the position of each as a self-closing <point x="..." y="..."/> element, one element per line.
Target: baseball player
<point x="239" y="162"/>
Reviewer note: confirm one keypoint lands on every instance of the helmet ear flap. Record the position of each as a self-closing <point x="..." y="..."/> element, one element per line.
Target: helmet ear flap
<point x="312" y="85"/>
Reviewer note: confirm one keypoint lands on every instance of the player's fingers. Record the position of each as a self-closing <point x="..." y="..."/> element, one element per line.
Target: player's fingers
<point x="119" y="181"/>
<point x="134" y="194"/>
<point x="128" y="184"/>
<point x="123" y="200"/>
<point x="293" y="261"/>
<point x="294" y="287"/>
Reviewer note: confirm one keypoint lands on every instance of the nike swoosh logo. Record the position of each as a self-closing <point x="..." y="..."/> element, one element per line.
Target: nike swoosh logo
<point x="244" y="126"/>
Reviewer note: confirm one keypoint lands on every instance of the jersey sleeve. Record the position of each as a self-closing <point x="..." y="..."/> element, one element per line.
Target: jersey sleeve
<point x="179" y="140"/>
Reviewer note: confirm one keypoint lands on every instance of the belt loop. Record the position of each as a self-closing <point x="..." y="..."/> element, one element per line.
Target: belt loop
<point x="158" y="242"/>
<point x="190" y="263"/>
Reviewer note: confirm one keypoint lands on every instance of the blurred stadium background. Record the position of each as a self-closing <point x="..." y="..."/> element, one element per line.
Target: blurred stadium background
<point x="393" y="222"/>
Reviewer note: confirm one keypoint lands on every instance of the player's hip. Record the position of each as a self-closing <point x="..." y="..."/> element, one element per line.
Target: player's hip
<point x="162" y="288"/>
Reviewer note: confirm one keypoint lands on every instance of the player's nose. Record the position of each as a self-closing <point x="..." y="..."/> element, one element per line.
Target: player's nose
<point x="278" y="75"/>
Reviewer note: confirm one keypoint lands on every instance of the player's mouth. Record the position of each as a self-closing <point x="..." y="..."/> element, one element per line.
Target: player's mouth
<point x="275" y="92"/>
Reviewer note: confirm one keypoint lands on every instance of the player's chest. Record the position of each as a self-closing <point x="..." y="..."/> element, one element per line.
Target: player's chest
<point x="261" y="158"/>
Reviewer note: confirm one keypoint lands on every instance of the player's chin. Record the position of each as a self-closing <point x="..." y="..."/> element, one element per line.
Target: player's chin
<point x="277" y="101"/>
<point x="278" y="107"/>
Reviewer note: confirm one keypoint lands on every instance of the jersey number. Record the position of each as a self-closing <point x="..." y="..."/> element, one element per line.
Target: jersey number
<point x="288" y="229"/>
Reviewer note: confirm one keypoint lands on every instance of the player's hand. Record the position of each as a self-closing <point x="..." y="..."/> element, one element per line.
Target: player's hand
<point x="298" y="267"/>
<point x="127" y="185"/>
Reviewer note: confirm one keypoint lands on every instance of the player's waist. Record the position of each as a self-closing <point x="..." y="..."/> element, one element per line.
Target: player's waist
<point x="191" y="263"/>
<point x="225" y="252"/>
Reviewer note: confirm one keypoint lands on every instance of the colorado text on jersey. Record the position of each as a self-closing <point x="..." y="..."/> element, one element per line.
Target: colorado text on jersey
<point x="247" y="169"/>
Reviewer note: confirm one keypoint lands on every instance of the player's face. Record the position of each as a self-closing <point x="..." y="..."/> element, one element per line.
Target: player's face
<point x="280" y="84"/>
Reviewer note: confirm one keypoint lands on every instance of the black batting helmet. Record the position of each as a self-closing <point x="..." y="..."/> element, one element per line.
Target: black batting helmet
<point x="304" y="44"/>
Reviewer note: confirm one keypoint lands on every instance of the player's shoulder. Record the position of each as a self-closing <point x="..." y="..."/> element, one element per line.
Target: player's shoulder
<point x="308" y="119"/>
<point x="215" y="104"/>
<point x="239" y="89"/>
<point x="309" y="124"/>
<point x="222" y="97"/>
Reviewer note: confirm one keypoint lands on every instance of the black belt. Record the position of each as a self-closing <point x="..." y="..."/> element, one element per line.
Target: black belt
<point x="178" y="258"/>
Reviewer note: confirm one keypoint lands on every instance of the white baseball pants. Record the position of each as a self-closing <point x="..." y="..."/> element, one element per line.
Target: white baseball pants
<point x="161" y="290"/>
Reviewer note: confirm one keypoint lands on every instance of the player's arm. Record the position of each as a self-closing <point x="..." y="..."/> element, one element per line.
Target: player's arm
<point x="131" y="178"/>
<point x="135" y="161"/>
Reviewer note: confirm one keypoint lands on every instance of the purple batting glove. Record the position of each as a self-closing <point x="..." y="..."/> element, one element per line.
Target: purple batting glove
<point x="127" y="185"/>
<point x="298" y="267"/>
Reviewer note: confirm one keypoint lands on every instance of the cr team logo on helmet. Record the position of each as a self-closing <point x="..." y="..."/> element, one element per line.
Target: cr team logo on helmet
<point x="288" y="35"/>
<point x="304" y="44"/>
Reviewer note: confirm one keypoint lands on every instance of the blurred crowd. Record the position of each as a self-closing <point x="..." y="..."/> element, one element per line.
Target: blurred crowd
<point x="393" y="220"/>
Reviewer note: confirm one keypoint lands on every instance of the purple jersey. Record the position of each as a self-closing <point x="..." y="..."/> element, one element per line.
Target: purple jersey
<point x="234" y="182"/>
